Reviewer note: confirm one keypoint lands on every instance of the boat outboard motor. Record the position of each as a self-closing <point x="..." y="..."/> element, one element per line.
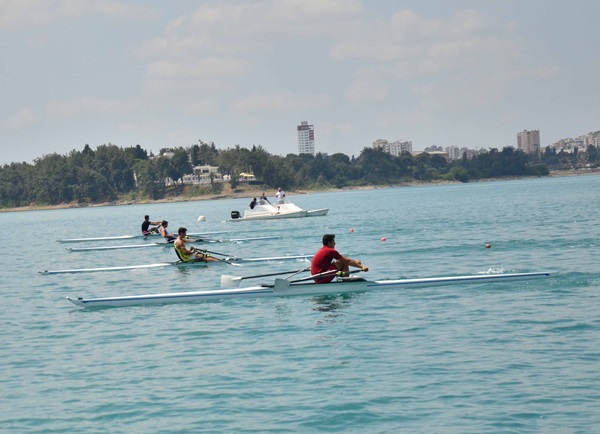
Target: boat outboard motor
<point x="235" y="214"/>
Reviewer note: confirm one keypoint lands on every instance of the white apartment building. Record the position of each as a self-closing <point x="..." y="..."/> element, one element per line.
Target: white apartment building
<point x="454" y="153"/>
<point x="395" y="148"/>
<point x="528" y="141"/>
<point x="306" y="138"/>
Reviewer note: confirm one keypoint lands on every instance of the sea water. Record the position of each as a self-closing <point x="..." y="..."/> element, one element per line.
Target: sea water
<point x="493" y="357"/>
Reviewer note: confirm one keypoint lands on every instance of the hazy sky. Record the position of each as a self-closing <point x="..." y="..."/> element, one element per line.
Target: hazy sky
<point x="170" y="73"/>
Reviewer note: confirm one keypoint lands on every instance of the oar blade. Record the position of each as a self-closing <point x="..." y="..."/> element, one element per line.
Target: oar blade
<point x="230" y="281"/>
<point x="281" y="285"/>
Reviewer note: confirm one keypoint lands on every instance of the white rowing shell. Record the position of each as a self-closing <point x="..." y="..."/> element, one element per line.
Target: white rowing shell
<point x="283" y="287"/>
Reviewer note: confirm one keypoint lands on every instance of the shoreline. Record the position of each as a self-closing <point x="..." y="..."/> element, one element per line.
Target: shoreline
<point x="254" y="192"/>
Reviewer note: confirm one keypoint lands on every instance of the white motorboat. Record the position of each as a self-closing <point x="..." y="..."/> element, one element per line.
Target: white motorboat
<point x="286" y="210"/>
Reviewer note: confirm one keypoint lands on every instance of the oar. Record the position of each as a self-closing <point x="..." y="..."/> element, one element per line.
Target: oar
<point x="217" y="253"/>
<point x="234" y="281"/>
<point x="218" y="259"/>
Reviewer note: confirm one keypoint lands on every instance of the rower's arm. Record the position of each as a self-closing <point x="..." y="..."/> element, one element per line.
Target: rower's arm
<point x="354" y="263"/>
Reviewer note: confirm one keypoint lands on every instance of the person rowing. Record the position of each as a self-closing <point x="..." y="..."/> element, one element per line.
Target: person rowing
<point x="146" y="226"/>
<point x="168" y="236"/>
<point x="328" y="259"/>
<point x="189" y="255"/>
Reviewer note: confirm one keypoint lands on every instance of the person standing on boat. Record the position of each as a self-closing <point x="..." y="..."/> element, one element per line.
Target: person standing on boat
<point x="188" y="255"/>
<point x="253" y="203"/>
<point x="280" y="196"/>
<point x="328" y="258"/>
<point x="168" y="236"/>
<point x="263" y="200"/>
<point x="146" y="226"/>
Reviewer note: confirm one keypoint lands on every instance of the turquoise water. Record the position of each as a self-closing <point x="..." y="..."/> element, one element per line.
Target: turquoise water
<point x="496" y="357"/>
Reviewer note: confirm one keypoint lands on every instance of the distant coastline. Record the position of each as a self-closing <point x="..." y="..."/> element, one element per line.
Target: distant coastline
<point x="246" y="191"/>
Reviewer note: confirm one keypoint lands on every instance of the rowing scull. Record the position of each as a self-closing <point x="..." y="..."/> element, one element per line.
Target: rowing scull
<point x="129" y="237"/>
<point x="168" y="244"/>
<point x="283" y="287"/>
<point x="232" y="260"/>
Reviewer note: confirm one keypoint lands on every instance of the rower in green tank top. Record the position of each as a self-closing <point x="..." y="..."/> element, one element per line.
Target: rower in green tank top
<point x="189" y="255"/>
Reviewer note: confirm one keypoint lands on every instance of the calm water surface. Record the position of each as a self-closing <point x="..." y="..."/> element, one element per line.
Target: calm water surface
<point x="499" y="357"/>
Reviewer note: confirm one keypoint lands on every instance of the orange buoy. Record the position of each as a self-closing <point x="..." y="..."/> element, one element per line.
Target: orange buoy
<point x="383" y="238"/>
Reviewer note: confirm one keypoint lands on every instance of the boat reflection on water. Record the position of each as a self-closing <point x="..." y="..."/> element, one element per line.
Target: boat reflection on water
<point x="333" y="303"/>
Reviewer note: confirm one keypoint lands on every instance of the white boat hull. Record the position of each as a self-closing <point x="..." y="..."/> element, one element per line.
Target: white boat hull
<point x="285" y="288"/>
<point x="129" y="237"/>
<point x="167" y="244"/>
<point x="280" y="211"/>
<point x="233" y="261"/>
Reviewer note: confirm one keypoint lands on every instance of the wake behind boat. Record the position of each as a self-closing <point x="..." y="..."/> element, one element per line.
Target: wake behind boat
<point x="276" y="211"/>
<point x="282" y="287"/>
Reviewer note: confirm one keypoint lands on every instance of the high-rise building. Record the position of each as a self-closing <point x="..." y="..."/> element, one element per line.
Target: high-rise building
<point x="528" y="141"/>
<point x="306" y="138"/>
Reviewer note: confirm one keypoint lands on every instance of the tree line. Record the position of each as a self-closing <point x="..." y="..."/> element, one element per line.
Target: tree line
<point x="111" y="173"/>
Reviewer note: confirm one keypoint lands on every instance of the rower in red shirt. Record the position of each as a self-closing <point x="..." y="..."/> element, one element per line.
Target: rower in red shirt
<point x="328" y="258"/>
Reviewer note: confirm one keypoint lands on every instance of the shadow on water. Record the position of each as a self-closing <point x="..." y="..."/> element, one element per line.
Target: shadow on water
<point x="333" y="304"/>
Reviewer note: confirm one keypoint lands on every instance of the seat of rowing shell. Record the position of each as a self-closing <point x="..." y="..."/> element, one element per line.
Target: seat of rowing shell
<point x="353" y="279"/>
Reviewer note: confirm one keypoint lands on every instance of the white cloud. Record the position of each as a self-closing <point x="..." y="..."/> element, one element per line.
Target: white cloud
<point x="203" y="107"/>
<point x="86" y="105"/>
<point x="23" y="118"/>
<point x="196" y="69"/>
<point x="367" y="86"/>
<point x="283" y="101"/>
<point x="20" y="13"/>
<point x="191" y="76"/>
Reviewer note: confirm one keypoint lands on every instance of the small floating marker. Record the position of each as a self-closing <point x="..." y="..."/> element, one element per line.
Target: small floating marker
<point x="488" y="246"/>
<point x="201" y="218"/>
<point x="383" y="238"/>
<point x="351" y="229"/>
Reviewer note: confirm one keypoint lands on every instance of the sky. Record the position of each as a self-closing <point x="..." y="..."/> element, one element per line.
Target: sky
<point x="172" y="73"/>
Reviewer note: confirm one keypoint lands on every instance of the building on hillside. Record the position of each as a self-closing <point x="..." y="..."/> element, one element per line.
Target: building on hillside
<point x="592" y="139"/>
<point x="202" y="175"/>
<point x="456" y="153"/>
<point x="306" y="138"/>
<point x="528" y="141"/>
<point x="395" y="148"/>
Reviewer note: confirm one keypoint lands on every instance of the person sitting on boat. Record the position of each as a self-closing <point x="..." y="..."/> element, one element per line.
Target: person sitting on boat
<point x="263" y="200"/>
<point x="146" y="226"/>
<point x="280" y="195"/>
<point x="322" y="261"/>
<point x="168" y="236"/>
<point x="188" y="255"/>
<point x="253" y="203"/>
